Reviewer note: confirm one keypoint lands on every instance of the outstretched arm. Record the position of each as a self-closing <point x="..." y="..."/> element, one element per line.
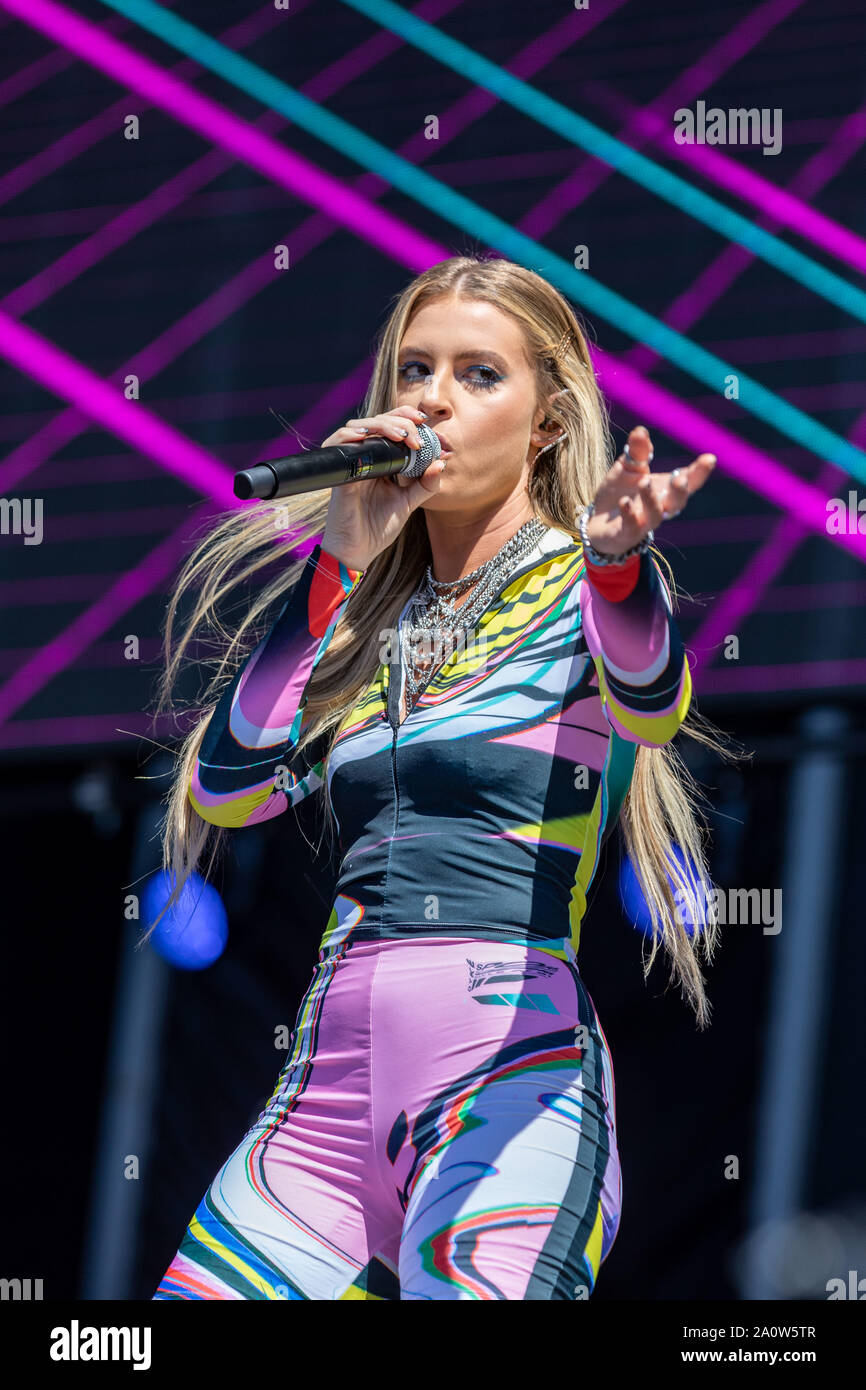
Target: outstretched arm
<point x="256" y="724"/>
<point x="643" y="672"/>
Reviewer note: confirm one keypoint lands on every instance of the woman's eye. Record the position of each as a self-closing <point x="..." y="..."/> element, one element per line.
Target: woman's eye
<point x="487" y="381"/>
<point x="474" y="382"/>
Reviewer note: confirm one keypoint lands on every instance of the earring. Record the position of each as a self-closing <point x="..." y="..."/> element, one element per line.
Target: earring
<point x="551" y="445"/>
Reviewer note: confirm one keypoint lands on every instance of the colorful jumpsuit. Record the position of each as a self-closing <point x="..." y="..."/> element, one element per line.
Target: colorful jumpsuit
<point x="444" y="1126"/>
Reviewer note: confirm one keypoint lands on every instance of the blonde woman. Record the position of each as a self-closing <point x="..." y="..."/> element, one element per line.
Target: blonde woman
<point x="479" y="672"/>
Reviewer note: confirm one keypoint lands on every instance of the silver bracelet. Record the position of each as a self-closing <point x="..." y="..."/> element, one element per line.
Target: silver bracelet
<point x="595" y="557"/>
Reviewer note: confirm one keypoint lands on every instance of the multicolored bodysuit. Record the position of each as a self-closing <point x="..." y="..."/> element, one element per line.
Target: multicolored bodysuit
<point x="444" y="1126"/>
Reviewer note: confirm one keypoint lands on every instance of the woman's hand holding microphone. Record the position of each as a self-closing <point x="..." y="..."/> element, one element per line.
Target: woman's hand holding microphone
<point x="367" y="516"/>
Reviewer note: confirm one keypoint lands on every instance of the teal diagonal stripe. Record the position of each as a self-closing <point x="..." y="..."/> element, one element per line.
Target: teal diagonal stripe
<point x="453" y="207"/>
<point x="635" y="166"/>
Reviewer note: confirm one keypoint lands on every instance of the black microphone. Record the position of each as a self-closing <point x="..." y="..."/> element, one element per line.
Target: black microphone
<point x="373" y="457"/>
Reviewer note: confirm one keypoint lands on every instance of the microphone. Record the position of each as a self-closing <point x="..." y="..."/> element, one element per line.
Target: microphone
<point x="374" y="457"/>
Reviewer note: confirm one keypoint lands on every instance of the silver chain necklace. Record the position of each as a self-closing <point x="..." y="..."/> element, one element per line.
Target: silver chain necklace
<point x="432" y="626"/>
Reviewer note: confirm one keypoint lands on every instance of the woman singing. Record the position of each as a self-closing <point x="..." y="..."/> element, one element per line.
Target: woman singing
<point x="480" y="671"/>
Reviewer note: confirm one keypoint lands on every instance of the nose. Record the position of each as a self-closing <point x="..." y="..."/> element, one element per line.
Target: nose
<point x="432" y="400"/>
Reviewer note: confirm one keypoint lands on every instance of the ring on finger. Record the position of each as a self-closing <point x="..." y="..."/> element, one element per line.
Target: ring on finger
<point x="632" y="464"/>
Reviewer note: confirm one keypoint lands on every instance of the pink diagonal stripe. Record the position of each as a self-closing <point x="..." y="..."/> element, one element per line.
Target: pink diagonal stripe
<point x="105" y="405"/>
<point x="748" y="464"/>
<point x="119" y="597"/>
<point x="217" y="125"/>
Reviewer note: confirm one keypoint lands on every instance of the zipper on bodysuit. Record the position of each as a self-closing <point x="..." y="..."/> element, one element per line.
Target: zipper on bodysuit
<point x="394" y="697"/>
<point x="392" y="714"/>
<point x="395" y="677"/>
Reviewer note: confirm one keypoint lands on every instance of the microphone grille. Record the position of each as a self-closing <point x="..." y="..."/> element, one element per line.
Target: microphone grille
<point x="420" y="459"/>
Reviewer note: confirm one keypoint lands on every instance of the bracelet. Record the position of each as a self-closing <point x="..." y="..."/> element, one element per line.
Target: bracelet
<point x="595" y="557"/>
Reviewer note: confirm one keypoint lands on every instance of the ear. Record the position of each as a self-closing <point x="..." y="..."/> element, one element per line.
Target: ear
<point x="543" y="426"/>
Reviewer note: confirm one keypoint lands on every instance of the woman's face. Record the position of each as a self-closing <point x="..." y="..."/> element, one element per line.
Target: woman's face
<point x="463" y="362"/>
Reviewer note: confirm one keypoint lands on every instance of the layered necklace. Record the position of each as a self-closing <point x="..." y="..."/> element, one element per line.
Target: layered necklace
<point x="433" y="627"/>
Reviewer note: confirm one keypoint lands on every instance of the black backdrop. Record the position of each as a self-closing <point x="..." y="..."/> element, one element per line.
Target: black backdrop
<point x="684" y="1100"/>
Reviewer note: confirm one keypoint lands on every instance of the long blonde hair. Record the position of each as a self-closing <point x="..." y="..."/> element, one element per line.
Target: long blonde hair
<point x="662" y="808"/>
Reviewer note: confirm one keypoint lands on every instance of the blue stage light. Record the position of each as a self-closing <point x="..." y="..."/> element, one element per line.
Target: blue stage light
<point x="193" y="933"/>
<point x="635" y="906"/>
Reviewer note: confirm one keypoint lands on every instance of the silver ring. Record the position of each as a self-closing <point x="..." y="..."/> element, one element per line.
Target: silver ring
<point x="629" y="460"/>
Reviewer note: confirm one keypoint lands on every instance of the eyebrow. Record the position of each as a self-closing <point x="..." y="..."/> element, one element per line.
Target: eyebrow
<point x="468" y="352"/>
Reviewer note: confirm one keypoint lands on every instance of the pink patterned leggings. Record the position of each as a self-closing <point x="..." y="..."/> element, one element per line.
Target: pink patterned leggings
<point x="444" y="1127"/>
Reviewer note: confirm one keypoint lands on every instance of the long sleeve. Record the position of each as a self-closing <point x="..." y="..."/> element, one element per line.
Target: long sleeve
<point x="256" y="724"/>
<point x="643" y="673"/>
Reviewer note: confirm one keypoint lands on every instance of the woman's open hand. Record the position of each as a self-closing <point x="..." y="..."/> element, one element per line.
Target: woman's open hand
<point x="633" y="501"/>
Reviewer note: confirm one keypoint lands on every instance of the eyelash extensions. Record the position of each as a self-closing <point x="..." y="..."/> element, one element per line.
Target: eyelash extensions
<point x="473" y="384"/>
